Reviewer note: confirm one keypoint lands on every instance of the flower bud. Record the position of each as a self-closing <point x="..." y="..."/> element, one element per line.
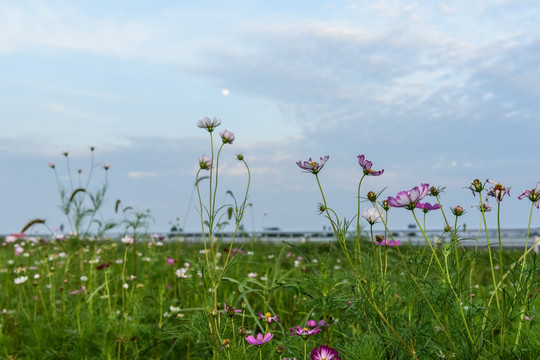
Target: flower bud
<point x="372" y="196"/>
<point x="458" y="211"/>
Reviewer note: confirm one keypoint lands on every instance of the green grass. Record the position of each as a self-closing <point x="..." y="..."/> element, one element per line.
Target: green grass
<point x="148" y="312"/>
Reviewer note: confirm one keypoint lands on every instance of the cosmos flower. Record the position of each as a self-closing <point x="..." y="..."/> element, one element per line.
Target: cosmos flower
<point x="205" y="162"/>
<point x="366" y="166"/>
<point x="324" y="353"/>
<point x="208" y="124"/>
<point x="227" y="136"/>
<point x="533" y="195"/>
<point x="182" y="273"/>
<point x="304" y="332"/>
<point x="81" y="290"/>
<point x="372" y="215"/>
<point x="312" y="166"/>
<point x="260" y="340"/>
<point x="485" y="207"/>
<point x="20" y="280"/>
<point x="409" y="199"/>
<point x="428" y="207"/>
<point x="381" y="240"/>
<point x="128" y="240"/>
<point x="497" y="191"/>
<point x="268" y="317"/>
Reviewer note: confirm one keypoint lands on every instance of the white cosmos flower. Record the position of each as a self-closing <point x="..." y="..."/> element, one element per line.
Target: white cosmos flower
<point x="372" y="215"/>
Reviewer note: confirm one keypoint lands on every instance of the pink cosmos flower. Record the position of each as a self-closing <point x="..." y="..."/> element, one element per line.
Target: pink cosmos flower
<point x="533" y="195"/>
<point x="260" y="340"/>
<point x="381" y="240"/>
<point x="208" y="124"/>
<point x="227" y="136"/>
<point x="78" y="291"/>
<point x="366" y="166"/>
<point x="128" y="240"/>
<point x="304" y="332"/>
<point x="428" y="207"/>
<point x="18" y="249"/>
<point x="409" y="199"/>
<point x="497" y="191"/>
<point x="170" y="261"/>
<point x="324" y="353"/>
<point x="205" y="162"/>
<point x="312" y="166"/>
<point x="268" y="317"/>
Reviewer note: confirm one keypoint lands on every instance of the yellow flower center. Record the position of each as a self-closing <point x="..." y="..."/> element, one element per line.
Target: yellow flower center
<point x="268" y="315"/>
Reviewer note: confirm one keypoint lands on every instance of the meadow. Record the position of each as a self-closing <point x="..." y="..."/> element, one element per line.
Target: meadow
<point x="358" y="296"/>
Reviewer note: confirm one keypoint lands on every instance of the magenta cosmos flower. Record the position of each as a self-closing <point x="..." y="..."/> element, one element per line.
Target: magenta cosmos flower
<point x="208" y="124"/>
<point x="227" y="136"/>
<point x="304" y="332"/>
<point x="260" y="340"/>
<point x="381" y="240"/>
<point x="312" y="166"/>
<point x="533" y="195"/>
<point x="324" y="353"/>
<point x="409" y="199"/>
<point x="268" y="317"/>
<point x="497" y="191"/>
<point x="366" y="166"/>
<point x="428" y="207"/>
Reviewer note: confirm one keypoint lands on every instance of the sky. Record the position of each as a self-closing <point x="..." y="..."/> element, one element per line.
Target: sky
<point x="431" y="91"/>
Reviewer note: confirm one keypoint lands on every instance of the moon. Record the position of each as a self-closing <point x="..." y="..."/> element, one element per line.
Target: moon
<point x="225" y="91"/>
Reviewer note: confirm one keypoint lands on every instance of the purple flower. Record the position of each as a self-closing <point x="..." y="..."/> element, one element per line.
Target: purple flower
<point x="312" y="166"/>
<point x="260" y="340"/>
<point x="409" y="199"/>
<point x="324" y="353"/>
<point x="497" y="191"/>
<point x="268" y="317"/>
<point x="311" y="323"/>
<point x="372" y="215"/>
<point x="205" y="162"/>
<point x="366" y="166"/>
<point x="78" y="291"/>
<point x="304" y="332"/>
<point x="208" y="124"/>
<point x="428" y="207"/>
<point x="227" y="136"/>
<point x="381" y="240"/>
<point x="533" y="195"/>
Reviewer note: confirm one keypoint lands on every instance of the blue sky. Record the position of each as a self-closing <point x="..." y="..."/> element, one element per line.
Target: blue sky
<point x="431" y="91"/>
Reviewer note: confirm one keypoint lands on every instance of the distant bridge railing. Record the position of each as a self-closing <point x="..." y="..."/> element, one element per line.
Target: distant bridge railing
<point x="510" y="238"/>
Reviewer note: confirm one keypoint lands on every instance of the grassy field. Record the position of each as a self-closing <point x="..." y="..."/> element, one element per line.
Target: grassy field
<point x="154" y="300"/>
